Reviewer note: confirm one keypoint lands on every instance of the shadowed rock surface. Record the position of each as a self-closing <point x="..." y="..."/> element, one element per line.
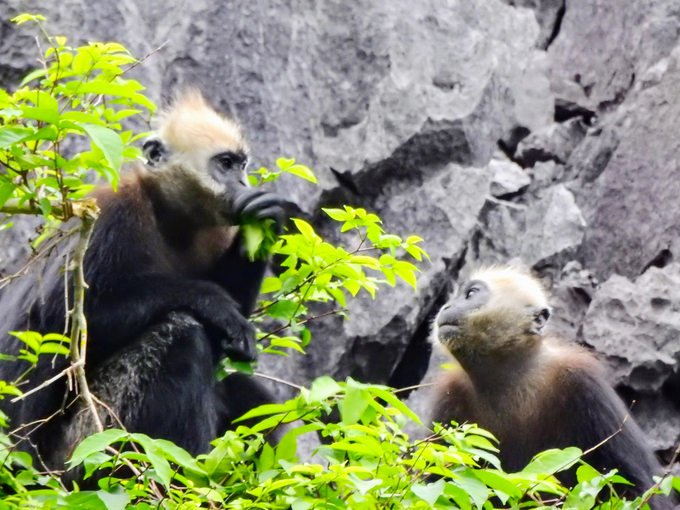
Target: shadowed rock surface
<point x="542" y="130"/>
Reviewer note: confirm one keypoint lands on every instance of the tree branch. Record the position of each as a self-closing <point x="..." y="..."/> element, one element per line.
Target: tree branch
<point x="88" y="213"/>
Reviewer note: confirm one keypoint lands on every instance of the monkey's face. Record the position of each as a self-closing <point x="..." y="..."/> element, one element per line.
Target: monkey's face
<point x="217" y="170"/>
<point x="492" y="313"/>
<point x="196" y="142"/>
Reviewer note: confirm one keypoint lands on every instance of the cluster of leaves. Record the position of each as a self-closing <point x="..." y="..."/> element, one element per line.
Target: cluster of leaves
<point x="317" y="271"/>
<point x="77" y="93"/>
<point x="368" y="462"/>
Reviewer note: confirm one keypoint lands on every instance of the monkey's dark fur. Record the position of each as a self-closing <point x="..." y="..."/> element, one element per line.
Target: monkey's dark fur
<point x="531" y="391"/>
<point x="170" y="290"/>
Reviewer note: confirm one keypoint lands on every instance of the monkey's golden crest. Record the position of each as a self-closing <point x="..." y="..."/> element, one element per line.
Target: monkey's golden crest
<point x="532" y="391"/>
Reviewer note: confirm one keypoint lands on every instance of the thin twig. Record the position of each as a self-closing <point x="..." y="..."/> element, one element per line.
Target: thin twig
<point x="70" y="368"/>
<point x="415" y="387"/>
<point x="270" y="378"/>
<point x="667" y="472"/>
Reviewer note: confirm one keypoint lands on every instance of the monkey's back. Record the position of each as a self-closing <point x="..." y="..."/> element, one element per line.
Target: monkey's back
<point x="560" y="398"/>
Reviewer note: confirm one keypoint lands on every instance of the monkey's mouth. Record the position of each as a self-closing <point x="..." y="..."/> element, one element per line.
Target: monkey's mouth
<point x="447" y="332"/>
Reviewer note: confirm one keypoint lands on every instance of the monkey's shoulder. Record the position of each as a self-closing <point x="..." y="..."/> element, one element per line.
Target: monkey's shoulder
<point x="569" y="364"/>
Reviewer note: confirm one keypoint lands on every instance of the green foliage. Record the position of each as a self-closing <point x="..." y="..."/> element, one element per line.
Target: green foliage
<point x="78" y="93"/>
<point x="368" y="462"/>
<point x="316" y="271"/>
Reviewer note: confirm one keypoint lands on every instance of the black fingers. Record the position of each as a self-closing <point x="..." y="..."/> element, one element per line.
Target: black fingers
<point x="260" y="205"/>
<point x="250" y="202"/>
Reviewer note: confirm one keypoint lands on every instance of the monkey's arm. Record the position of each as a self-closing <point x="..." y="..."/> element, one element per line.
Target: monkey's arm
<point x="235" y="272"/>
<point x="117" y="315"/>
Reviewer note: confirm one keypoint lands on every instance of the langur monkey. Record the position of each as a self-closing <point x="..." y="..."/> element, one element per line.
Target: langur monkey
<point x="532" y="391"/>
<point x="170" y="289"/>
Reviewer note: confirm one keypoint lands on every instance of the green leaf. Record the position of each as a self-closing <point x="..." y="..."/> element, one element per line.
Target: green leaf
<point x="366" y="261"/>
<point x="337" y="214"/>
<point x="585" y="473"/>
<point x="178" y="455"/>
<point x="108" y="141"/>
<point x="116" y="498"/>
<point x="365" y="486"/>
<point x="301" y="171"/>
<point x="12" y="135"/>
<point x="300" y="504"/>
<point x="253" y="235"/>
<point x="95" y="443"/>
<point x="355" y="403"/>
<point x="391" y="399"/>
<point x="84" y="500"/>
<point x="429" y="492"/>
<point x="553" y="461"/>
<point x="156" y="457"/>
<point x="283" y="309"/>
<point x="37" y="73"/>
<point x="322" y="388"/>
<point x="498" y="481"/>
<point x="45" y="206"/>
<point x="267" y="409"/>
<point x="41" y="114"/>
<point x="284" y="163"/>
<point x="305" y="229"/>
<point x="270" y="284"/>
<point x="473" y="486"/>
<point x="6" y="190"/>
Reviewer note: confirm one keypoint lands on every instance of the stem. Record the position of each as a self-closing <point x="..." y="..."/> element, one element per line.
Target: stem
<point x="269" y="378"/>
<point x="14" y="206"/>
<point x="78" y="347"/>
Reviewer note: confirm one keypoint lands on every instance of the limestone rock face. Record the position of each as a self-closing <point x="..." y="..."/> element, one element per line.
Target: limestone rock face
<point x="539" y="130"/>
<point x="508" y="178"/>
<point x="636" y="326"/>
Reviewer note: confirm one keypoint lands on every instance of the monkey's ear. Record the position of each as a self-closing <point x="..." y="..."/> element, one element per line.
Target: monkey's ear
<point x="154" y="150"/>
<point x="540" y="318"/>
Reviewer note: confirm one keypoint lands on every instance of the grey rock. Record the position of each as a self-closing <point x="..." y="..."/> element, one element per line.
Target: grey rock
<point x="548" y="230"/>
<point x="571" y="295"/>
<point x="549" y="16"/>
<point x="555" y="227"/>
<point x="636" y="327"/>
<point x="590" y="158"/>
<point x="630" y="36"/>
<point x="659" y="418"/>
<point x="553" y="143"/>
<point x="408" y="102"/>
<point x="508" y="178"/>
<point x="373" y="342"/>
<point x="631" y="208"/>
<point x="498" y="237"/>
<point x="544" y="174"/>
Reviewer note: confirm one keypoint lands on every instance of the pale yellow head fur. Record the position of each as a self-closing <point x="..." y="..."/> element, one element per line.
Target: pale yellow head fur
<point x="192" y="132"/>
<point x="191" y="124"/>
<point x="511" y="288"/>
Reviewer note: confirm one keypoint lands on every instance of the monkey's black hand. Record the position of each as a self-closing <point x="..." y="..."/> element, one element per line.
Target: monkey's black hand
<point x="259" y="205"/>
<point x="229" y="331"/>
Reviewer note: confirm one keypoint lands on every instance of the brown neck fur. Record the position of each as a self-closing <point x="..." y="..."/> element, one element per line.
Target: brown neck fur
<point x="494" y="346"/>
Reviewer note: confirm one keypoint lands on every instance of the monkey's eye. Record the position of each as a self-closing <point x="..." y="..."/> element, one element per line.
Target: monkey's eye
<point x="471" y="292"/>
<point x="226" y="161"/>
